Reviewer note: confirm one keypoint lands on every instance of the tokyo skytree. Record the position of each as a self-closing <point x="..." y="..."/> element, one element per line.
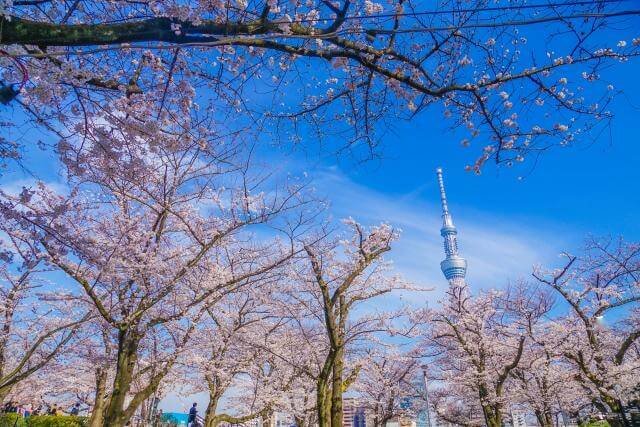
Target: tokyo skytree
<point x="453" y="266"/>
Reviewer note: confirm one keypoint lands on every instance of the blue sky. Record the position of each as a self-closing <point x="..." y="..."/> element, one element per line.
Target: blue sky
<point x="506" y="224"/>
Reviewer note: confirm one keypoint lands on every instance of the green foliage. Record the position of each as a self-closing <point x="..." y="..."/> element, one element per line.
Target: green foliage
<point x="16" y="420"/>
<point x="595" y="423"/>
<point x="56" y="421"/>
<point x="12" y="420"/>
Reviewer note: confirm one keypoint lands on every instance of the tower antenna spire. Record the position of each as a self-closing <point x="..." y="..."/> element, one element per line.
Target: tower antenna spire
<point x="454" y="267"/>
<point x="446" y="216"/>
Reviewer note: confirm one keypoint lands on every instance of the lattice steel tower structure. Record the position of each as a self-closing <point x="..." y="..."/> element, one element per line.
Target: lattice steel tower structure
<point x="453" y="266"/>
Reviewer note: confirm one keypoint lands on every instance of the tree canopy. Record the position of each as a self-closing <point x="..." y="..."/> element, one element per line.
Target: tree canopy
<point x="320" y="70"/>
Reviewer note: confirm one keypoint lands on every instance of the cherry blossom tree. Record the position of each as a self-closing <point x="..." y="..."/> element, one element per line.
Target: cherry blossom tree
<point x="99" y="353"/>
<point x="37" y="323"/>
<point x="347" y="67"/>
<point x="156" y="222"/>
<point x="255" y="357"/>
<point x="601" y="288"/>
<point x="543" y="382"/>
<point x="226" y="361"/>
<point x="298" y="348"/>
<point x="65" y="381"/>
<point x="77" y="375"/>
<point x="475" y="343"/>
<point x="388" y="381"/>
<point x="455" y="407"/>
<point x="336" y="277"/>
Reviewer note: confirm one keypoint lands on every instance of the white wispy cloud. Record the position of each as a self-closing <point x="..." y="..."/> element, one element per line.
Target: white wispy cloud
<point x="15" y="186"/>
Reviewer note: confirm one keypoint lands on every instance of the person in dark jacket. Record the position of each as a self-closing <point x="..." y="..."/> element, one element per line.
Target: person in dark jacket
<point x="192" y="420"/>
<point x="75" y="410"/>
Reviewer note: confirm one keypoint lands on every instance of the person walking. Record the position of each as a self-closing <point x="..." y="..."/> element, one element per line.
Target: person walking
<point x="192" y="421"/>
<point x="75" y="410"/>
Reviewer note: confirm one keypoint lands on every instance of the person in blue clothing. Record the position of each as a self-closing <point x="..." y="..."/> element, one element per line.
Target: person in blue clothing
<point x="192" y="420"/>
<point x="75" y="410"/>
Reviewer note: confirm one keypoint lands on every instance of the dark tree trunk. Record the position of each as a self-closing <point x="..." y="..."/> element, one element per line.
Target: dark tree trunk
<point x="336" y="389"/>
<point x="210" y="413"/>
<point x="128" y="342"/>
<point x="99" y="402"/>
<point x="545" y="419"/>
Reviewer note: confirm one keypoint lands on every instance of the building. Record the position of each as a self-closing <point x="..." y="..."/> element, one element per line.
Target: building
<point x="276" y="419"/>
<point x="256" y="422"/>
<point x="518" y="418"/>
<point x="360" y="418"/>
<point x="353" y="415"/>
<point x="423" y="419"/>
<point x="401" y="422"/>
<point x="280" y="419"/>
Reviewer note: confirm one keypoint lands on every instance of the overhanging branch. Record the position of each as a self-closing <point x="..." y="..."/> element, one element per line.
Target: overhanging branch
<point x="28" y="32"/>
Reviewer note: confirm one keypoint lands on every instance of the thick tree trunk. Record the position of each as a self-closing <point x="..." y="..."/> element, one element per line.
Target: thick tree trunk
<point x="210" y="414"/>
<point x="266" y="419"/>
<point x="128" y="342"/>
<point x="210" y="418"/>
<point x="323" y="404"/>
<point x="545" y="419"/>
<point x="213" y="419"/>
<point x="494" y="420"/>
<point x="617" y="416"/>
<point x="97" y="414"/>
<point x="4" y="391"/>
<point x="327" y="407"/>
<point x="323" y="398"/>
<point x="336" y="389"/>
<point x="492" y="415"/>
<point x="492" y="411"/>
